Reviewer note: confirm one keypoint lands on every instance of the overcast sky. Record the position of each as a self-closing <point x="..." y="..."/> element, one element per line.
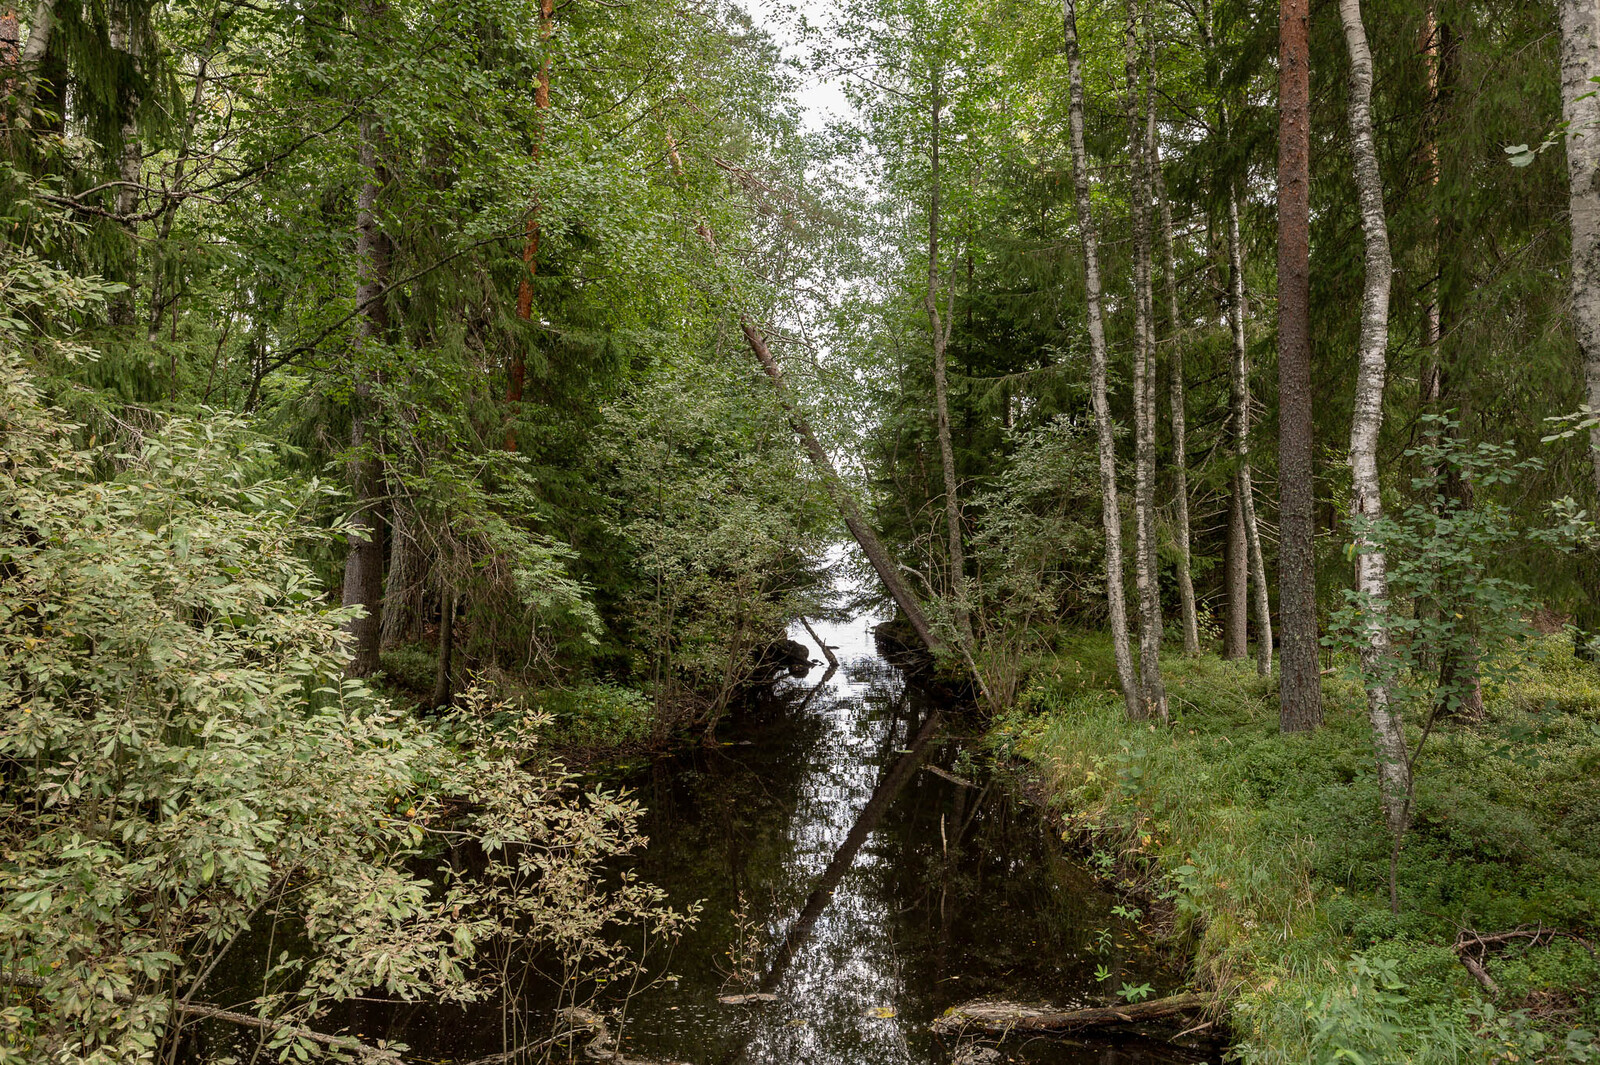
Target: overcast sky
<point x="822" y="99"/>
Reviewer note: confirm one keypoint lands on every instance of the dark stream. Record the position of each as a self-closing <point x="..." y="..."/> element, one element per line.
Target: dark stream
<point x="886" y="892"/>
<point x="870" y="892"/>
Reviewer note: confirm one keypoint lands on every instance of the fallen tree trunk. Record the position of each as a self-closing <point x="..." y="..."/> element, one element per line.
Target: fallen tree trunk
<point x="999" y="1018"/>
<point x="863" y="532"/>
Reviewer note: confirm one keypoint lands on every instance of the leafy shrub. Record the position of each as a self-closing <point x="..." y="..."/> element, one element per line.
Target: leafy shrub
<point x="179" y="757"/>
<point x="600" y="715"/>
<point x="411" y="667"/>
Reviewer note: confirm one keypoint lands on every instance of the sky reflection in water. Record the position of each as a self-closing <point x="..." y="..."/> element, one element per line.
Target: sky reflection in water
<point x="885" y="893"/>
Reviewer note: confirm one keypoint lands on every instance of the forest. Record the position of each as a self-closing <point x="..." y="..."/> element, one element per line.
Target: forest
<point x="439" y="440"/>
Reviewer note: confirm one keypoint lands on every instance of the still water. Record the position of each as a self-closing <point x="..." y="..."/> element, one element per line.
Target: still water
<point x="857" y="860"/>
<point x="850" y="822"/>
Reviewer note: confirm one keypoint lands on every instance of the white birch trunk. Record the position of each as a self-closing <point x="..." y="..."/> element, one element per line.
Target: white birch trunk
<point x="1153" y="692"/>
<point x="1116" y="599"/>
<point x="1238" y="308"/>
<point x="1180" y="439"/>
<point x="40" y="28"/>
<point x="120" y="309"/>
<point x="1377" y="661"/>
<point x="1580" y="61"/>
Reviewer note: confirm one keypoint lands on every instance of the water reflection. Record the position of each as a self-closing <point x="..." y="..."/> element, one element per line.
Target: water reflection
<point x="886" y="877"/>
<point x="888" y="885"/>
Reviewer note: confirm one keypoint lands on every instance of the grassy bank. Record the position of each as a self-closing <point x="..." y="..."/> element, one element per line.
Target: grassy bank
<point x="1272" y="858"/>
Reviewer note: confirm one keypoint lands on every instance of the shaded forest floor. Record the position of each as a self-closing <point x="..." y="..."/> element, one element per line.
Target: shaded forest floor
<point x="1270" y="858"/>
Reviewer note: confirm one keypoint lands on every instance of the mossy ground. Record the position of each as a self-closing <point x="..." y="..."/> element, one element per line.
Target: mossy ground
<point x="1273" y="857"/>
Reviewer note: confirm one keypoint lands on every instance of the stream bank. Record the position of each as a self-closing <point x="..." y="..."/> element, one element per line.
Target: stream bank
<point x="1273" y="855"/>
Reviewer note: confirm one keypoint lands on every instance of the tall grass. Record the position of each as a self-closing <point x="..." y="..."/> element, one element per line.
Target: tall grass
<point x="1272" y="853"/>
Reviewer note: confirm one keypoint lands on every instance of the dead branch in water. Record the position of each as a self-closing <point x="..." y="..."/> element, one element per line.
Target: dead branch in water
<point x="998" y="1018"/>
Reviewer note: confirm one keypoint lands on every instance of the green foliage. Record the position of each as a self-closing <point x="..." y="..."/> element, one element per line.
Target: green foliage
<point x="1272" y="855"/>
<point x="1445" y="554"/>
<point x="1035" y="555"/>
<point x="600" y="715"/>
<point x="184" y="767"/>
<point x="722" y="525"/>
<point x="233" y="283"/>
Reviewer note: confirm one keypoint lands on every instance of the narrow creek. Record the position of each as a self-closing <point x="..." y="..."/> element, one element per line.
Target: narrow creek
<point x="857" y="860"/>
<point x="888" y="875"/>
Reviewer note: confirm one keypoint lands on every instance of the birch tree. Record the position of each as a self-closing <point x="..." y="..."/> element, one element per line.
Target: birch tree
<point x="32" y="56"/>
<point x="1240" y="381"/>
<point x="1180" y="439"/>
<point x="1152" y="691"/>
<point x="1366" y="505"/>
<point x="1246" y="569"/>
<point x="1116" y="600"/>
<point x="1580" y="108"/>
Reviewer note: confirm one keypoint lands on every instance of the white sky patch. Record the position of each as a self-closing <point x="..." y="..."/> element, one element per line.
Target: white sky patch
<point x="821" y="97"/>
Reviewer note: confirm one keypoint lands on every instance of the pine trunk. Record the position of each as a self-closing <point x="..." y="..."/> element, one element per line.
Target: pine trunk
<point x="1180" y="438"/>
<point x="1300" y="682"/>
<point x="1152" y="691"/>
<point x="1378" y="663"/>
<point x="1116" y="599"/>
<point x="10" y="53"/>
<point x="517" y="372"/>
<point x="363" y="568"/>
<point x="1238" y="309"/>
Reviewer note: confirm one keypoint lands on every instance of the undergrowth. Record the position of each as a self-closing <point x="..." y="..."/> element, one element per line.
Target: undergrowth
<point x="1272" y="854"/>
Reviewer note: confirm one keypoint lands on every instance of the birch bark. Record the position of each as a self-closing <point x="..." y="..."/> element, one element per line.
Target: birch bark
<point x="158" y="302"/>
<point x="123" y="38"/>
<point x="1116" y="598"/>
<point x="1580" y="61"/>
<point x="1152" y="691"/>
<point x="1180" y="440"/>
<point x="1238" y="308"/>
<point x="1377" y="660"/>
<point x="34" y="50"/>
